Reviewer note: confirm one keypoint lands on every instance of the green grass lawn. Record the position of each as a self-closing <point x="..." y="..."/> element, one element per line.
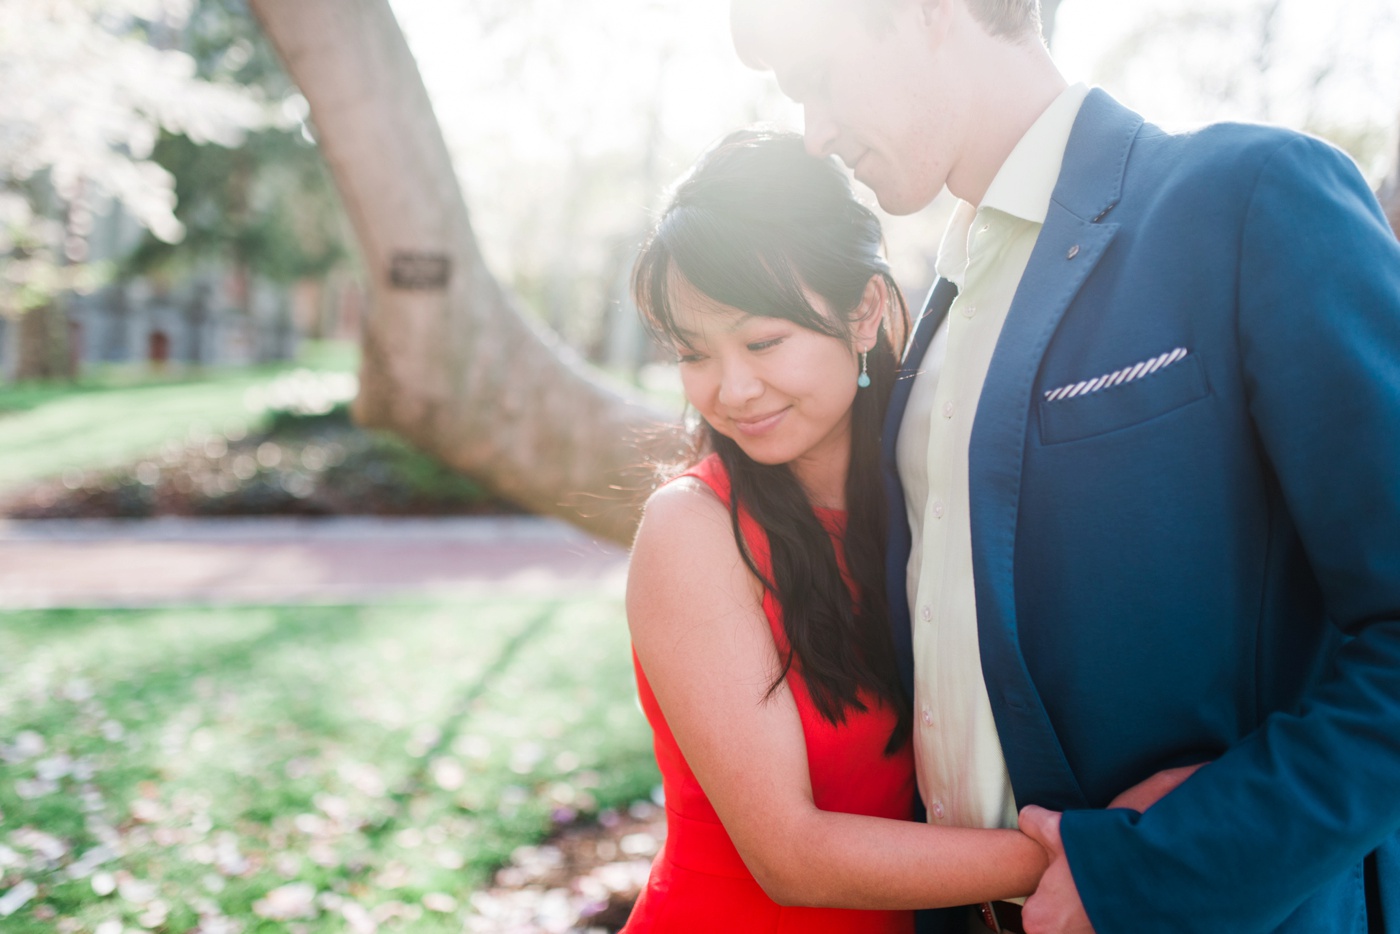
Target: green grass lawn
<point x="114" y="416"/>
<point x="170" y="768"/>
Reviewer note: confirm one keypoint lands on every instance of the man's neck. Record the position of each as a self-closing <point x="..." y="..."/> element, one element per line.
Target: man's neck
<point x="1015" y="83"/>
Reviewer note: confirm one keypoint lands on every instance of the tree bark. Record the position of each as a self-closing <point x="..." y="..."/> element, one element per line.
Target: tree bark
<point x="449" y="361"/>
<point x="46" y="350"/>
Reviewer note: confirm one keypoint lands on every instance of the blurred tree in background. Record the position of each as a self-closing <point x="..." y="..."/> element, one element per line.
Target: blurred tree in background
<point x="264" y="204"/>
<point x="89" y="86"/>
<point x="1333" y="74"/>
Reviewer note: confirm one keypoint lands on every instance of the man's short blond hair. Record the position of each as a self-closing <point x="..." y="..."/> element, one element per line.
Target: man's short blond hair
<point x="1014" y="19"/>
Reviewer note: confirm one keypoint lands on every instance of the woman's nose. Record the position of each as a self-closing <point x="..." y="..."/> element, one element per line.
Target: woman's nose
<point x="739" y="385"/>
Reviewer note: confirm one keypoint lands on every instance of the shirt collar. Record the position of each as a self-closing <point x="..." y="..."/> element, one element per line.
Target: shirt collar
<point x="1027" y="178"/>
<point x="1023" y="185"/>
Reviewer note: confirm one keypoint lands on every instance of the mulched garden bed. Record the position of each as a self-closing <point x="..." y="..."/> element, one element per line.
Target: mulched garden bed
<point x="299" y="465"/>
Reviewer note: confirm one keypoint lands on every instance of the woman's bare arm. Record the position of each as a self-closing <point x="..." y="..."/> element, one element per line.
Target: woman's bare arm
<point x="697" y="622"/>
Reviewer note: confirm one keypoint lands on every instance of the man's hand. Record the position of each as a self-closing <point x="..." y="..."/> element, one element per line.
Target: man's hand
<point x="1054" y="908"/>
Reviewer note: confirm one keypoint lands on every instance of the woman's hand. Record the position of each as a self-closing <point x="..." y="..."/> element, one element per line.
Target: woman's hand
<point x="1152" y="789"/>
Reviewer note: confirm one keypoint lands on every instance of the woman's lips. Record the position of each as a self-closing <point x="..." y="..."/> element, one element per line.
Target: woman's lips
<point x="759" y="425"/>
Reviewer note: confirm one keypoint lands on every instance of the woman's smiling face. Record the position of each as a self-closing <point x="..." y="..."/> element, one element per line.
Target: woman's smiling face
<point x="781" y="392"/>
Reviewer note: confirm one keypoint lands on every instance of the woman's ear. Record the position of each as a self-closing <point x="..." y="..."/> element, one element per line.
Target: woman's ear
<point x="871" y="312"/>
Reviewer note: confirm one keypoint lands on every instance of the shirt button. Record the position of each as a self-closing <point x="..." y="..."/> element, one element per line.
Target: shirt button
<point x="938" y="509"/>
<point x="969" y="310"/>
<point x="927" y="613"/>
<point x="947" y="410"/>
<point x="928" y="717"/>
<point x="938" y="809"/>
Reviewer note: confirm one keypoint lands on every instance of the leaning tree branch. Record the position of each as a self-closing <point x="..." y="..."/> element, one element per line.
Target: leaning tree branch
<point x="449" y="360"/>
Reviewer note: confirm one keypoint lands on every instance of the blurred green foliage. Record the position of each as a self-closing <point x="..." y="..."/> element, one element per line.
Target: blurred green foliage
<point x="268" y="204"/>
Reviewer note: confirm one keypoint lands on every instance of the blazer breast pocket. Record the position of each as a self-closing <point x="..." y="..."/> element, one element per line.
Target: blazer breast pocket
<point x="1122" y="404"/>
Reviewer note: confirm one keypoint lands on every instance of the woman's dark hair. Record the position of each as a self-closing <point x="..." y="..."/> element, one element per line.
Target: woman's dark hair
<point x="753" y="223"/>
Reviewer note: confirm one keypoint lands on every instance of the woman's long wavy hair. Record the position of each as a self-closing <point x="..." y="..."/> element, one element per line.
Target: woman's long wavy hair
<point x="753" y="223"/>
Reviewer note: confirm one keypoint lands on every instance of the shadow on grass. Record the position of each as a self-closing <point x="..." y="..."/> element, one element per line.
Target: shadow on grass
<point x="377" y="754"/>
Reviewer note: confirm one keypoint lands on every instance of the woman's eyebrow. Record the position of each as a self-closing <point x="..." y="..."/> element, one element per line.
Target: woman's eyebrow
<point x="740" y="319"/>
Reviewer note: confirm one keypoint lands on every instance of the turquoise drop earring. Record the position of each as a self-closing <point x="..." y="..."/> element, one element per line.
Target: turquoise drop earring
<point x="863" y="380"/>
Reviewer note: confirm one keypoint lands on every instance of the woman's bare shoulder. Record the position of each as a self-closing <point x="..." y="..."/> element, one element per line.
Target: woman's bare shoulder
<point x="682" y="503"/>
<point x="685" y="556"/>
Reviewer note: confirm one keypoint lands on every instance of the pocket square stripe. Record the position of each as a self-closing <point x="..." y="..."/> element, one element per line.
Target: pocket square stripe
<point x="1117" y="377"/>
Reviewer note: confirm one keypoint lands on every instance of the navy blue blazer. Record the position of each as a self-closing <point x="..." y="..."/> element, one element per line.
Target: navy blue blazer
<point x="1204" y="562"/>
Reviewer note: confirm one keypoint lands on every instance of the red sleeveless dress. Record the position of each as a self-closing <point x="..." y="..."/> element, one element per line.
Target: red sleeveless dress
<point x="698" y="883"/>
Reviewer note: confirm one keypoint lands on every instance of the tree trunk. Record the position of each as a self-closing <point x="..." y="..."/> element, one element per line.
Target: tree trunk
<point x="449" y="361"/>
<point x="46" y="349"/>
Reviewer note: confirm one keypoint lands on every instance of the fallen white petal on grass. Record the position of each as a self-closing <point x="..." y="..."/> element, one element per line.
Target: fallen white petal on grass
<point x="396" y="911"/>
<point x="53" y="769"/>
<point x="287" y="903"/>
<point x="154" y="916"/>
<point x="50" y="849"/>
<point x="138" y="892"/>
<point x="28" y="744"/>
<point x="219" y="924"/>
<point x="104" y="884"/>
<point x="358" y="919"/>
<point x="449" y="774"/>
<point x="17" y="897"/>
<point x="227" y="859"/>
<point x="88" y="863"/>
<point x="146" y="811"/>
<point x="440" y="902"/>
<point x="38" y="788"/>
<point x="639" y="844"/>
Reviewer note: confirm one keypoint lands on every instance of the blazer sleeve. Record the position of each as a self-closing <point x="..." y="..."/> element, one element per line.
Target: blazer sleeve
<point x="1306" y="796"/>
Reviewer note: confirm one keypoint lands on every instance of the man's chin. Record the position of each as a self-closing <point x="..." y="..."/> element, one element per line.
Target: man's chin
<point x="901" y="203"/>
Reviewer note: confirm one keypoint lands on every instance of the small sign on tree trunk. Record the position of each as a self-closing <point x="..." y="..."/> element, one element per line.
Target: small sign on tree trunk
<point x="419" y="270"/>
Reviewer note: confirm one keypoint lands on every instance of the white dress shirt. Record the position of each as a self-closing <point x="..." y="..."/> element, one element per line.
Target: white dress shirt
<point x="961" y="769"/>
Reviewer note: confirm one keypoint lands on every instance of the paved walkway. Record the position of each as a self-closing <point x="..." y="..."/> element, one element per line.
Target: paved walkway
<point x="98" y="563"/>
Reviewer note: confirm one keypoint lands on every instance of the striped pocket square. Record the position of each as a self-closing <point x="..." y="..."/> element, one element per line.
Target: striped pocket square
<point x="1117" y="377"/>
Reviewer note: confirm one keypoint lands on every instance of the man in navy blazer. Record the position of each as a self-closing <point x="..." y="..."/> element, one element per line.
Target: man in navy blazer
<point x="1183" y="472"/>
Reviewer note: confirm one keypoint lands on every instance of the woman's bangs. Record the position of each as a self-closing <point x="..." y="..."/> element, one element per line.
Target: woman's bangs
<point x="734" y="267"/>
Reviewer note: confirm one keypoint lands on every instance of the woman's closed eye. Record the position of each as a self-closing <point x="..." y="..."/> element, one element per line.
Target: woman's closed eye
<point x="756" y="346"/>
<point x="686" y="355"/>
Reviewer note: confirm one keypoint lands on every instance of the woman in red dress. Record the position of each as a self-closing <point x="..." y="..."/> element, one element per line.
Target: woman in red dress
<point x="755" y="596"/>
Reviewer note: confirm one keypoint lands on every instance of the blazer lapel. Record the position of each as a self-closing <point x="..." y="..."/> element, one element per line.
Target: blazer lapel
<point x="1070" y="244"/>
<point x="898" y="541"/>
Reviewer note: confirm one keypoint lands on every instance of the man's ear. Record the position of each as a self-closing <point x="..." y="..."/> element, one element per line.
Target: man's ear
<point x="935" y="16"/>
<point x="871" y="312"/>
